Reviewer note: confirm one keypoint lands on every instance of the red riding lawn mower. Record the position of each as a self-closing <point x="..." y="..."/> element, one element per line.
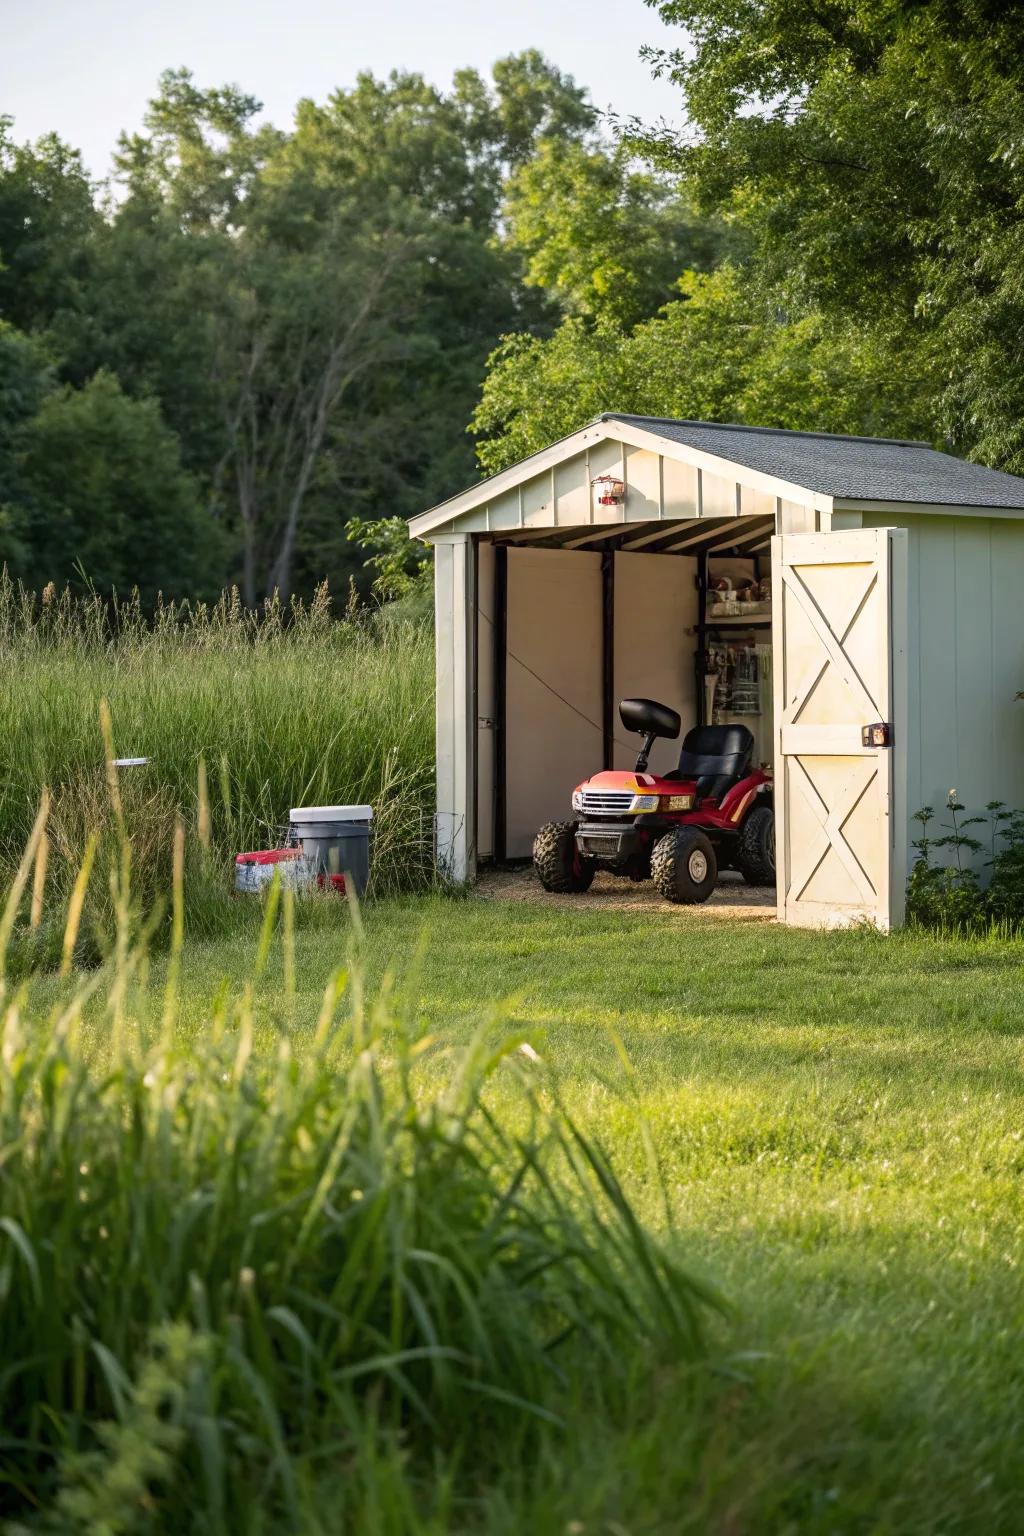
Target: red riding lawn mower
<point x="678" y="830"/>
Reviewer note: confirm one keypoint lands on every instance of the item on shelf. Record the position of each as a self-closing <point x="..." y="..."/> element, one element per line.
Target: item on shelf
<point x="722" y="597"/>
<point x="732" y="682"/>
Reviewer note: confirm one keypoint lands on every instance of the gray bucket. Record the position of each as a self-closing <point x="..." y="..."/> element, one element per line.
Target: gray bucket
<point x="335" y="839"/>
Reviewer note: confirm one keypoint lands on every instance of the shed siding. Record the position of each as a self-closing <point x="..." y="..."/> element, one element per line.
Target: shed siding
<point x="572" y="492"/>
<point x="794" y="517"/>
<point x="561" y="495"/>
<point x="538" y="501"/>
<point x="680" y="482"/>
<point x="643" y="483"/>
<point x="966" y="659"/>
<point x="756" y="503"/>
<point x="718" y="496"/>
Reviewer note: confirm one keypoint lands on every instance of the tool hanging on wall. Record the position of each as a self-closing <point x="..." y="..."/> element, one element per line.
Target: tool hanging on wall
<point x="710" y="684"/>
<point x="733" y="673"/>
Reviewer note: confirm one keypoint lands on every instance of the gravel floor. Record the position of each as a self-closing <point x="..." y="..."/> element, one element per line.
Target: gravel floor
<point x="732" y="899"/>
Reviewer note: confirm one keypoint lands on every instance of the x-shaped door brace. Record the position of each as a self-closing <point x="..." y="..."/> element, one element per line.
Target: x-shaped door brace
<point x="832" y="642"/>
<point x="831" y="820"/>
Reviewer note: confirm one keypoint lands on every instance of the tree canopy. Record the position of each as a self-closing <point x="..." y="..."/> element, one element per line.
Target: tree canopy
<point x="865" y="161"/>
<point x="305" y="313"/>
<point x="298" y="322"/>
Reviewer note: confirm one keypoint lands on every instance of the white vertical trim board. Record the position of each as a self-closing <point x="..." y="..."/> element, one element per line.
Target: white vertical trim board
<point x="455" y="615"/>
<point x="899" y="706"/>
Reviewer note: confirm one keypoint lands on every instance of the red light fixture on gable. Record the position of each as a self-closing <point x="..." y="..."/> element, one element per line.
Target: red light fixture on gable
<point x="609" y="490"/>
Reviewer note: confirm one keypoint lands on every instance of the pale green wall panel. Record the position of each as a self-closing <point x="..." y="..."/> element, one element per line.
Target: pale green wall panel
<point x="966" y="661"/>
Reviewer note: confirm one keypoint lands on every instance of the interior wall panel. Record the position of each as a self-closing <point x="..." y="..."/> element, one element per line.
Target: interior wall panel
<point x="656" y="604"/>
<point x="553" y="687"/>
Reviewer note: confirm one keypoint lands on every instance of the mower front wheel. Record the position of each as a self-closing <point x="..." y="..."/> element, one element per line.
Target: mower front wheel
<point x="755" y="847"/>
<point x="683" y="866"/>
<point x="559" y="864"/>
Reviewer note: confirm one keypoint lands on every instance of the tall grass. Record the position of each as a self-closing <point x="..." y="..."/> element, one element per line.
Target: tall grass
<point x="229" y="1283"/>
<point x="242" y="714"/>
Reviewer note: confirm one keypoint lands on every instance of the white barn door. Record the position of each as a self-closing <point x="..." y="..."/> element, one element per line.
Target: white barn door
<point x="839" y="641"/>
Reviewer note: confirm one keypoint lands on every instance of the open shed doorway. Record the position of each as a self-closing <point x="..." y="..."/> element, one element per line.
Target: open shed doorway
<point x="572" y="621"/>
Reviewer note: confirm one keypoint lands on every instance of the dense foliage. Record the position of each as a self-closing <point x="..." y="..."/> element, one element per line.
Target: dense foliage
<point x="833" y="243"/>
<point x="718" y="353"/>
<point x="865" y="160"/>
<point x="873" y="152"/>
<point x="290" y="327"/>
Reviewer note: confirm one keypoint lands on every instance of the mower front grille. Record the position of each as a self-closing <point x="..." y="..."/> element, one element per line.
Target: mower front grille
<point x="606" y="844"/>
<point x="611" y="802"/>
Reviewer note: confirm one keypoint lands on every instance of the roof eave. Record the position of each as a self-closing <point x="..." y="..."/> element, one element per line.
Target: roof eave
<point x="923" y="508"/>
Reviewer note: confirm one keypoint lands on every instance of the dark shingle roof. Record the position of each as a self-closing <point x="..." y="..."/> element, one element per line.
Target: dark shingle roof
<point x="857" y="468"/>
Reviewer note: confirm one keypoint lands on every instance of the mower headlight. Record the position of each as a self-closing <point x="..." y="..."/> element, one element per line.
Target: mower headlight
<point x="679" y="803"/>
<point x="644" y="803"/>
<point x="577" y="799"/>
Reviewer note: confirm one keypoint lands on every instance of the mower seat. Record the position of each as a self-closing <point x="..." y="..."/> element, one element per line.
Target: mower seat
<point x="717" y="756"/>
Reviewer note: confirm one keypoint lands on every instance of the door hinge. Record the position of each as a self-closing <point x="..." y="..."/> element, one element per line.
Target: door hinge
<point x="877" y="735"/>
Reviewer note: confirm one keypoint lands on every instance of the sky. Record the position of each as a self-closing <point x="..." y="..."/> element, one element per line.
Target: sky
<point x="85" y="68"/>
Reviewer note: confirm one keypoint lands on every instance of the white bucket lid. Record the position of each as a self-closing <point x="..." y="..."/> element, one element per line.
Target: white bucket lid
<point x="304" y="813"/>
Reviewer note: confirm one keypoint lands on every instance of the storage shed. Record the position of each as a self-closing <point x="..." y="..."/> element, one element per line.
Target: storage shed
<point x="806" y="583"/>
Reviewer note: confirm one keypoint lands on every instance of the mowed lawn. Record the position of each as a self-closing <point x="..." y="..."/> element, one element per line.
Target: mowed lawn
<point x="839" y="1120"/>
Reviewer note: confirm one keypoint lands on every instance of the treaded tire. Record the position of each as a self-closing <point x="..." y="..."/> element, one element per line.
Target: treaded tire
<point x="755" y="847"/>
<point x="560" y="866"/>
<point x="684" y="867"/>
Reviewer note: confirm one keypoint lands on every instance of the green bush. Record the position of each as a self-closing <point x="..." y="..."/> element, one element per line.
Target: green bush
<point x="953" y="894"/>
<point x="227" y="1277"/>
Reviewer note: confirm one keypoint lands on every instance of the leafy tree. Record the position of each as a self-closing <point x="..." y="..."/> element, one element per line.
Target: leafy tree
<point x="47" y="217"/>
<point x="25" y="379"/>
<point x="108" y="496"/>
<point x="313" y="309"/>
<point x="164" y="264"/>
<point x="872" y="150"/>
<point x="306" y="312"/>
<point x="400" y="564"/>
<point x="602" y="236"/>
<point x="533" y="101"/>
<point x="718" y="353"/>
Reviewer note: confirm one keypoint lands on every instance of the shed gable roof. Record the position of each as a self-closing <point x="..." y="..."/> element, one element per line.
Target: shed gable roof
<point x="851" y="468"/>
<point x="825" y="467"/>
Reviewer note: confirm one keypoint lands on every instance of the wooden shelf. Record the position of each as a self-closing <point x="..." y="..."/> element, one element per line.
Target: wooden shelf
<point x="736" y="621"/>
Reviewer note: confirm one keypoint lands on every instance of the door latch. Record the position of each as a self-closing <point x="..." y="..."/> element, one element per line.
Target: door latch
<point x="878" y="735"/>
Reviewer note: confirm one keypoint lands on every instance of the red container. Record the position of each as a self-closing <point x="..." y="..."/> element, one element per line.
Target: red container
<point x="254" y="871"/>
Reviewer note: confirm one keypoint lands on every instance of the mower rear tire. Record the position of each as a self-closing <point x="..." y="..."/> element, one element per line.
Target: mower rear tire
<point x="755" y="847"/>
<point x="684" y="867"/>
<point x="559" y="864"/>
